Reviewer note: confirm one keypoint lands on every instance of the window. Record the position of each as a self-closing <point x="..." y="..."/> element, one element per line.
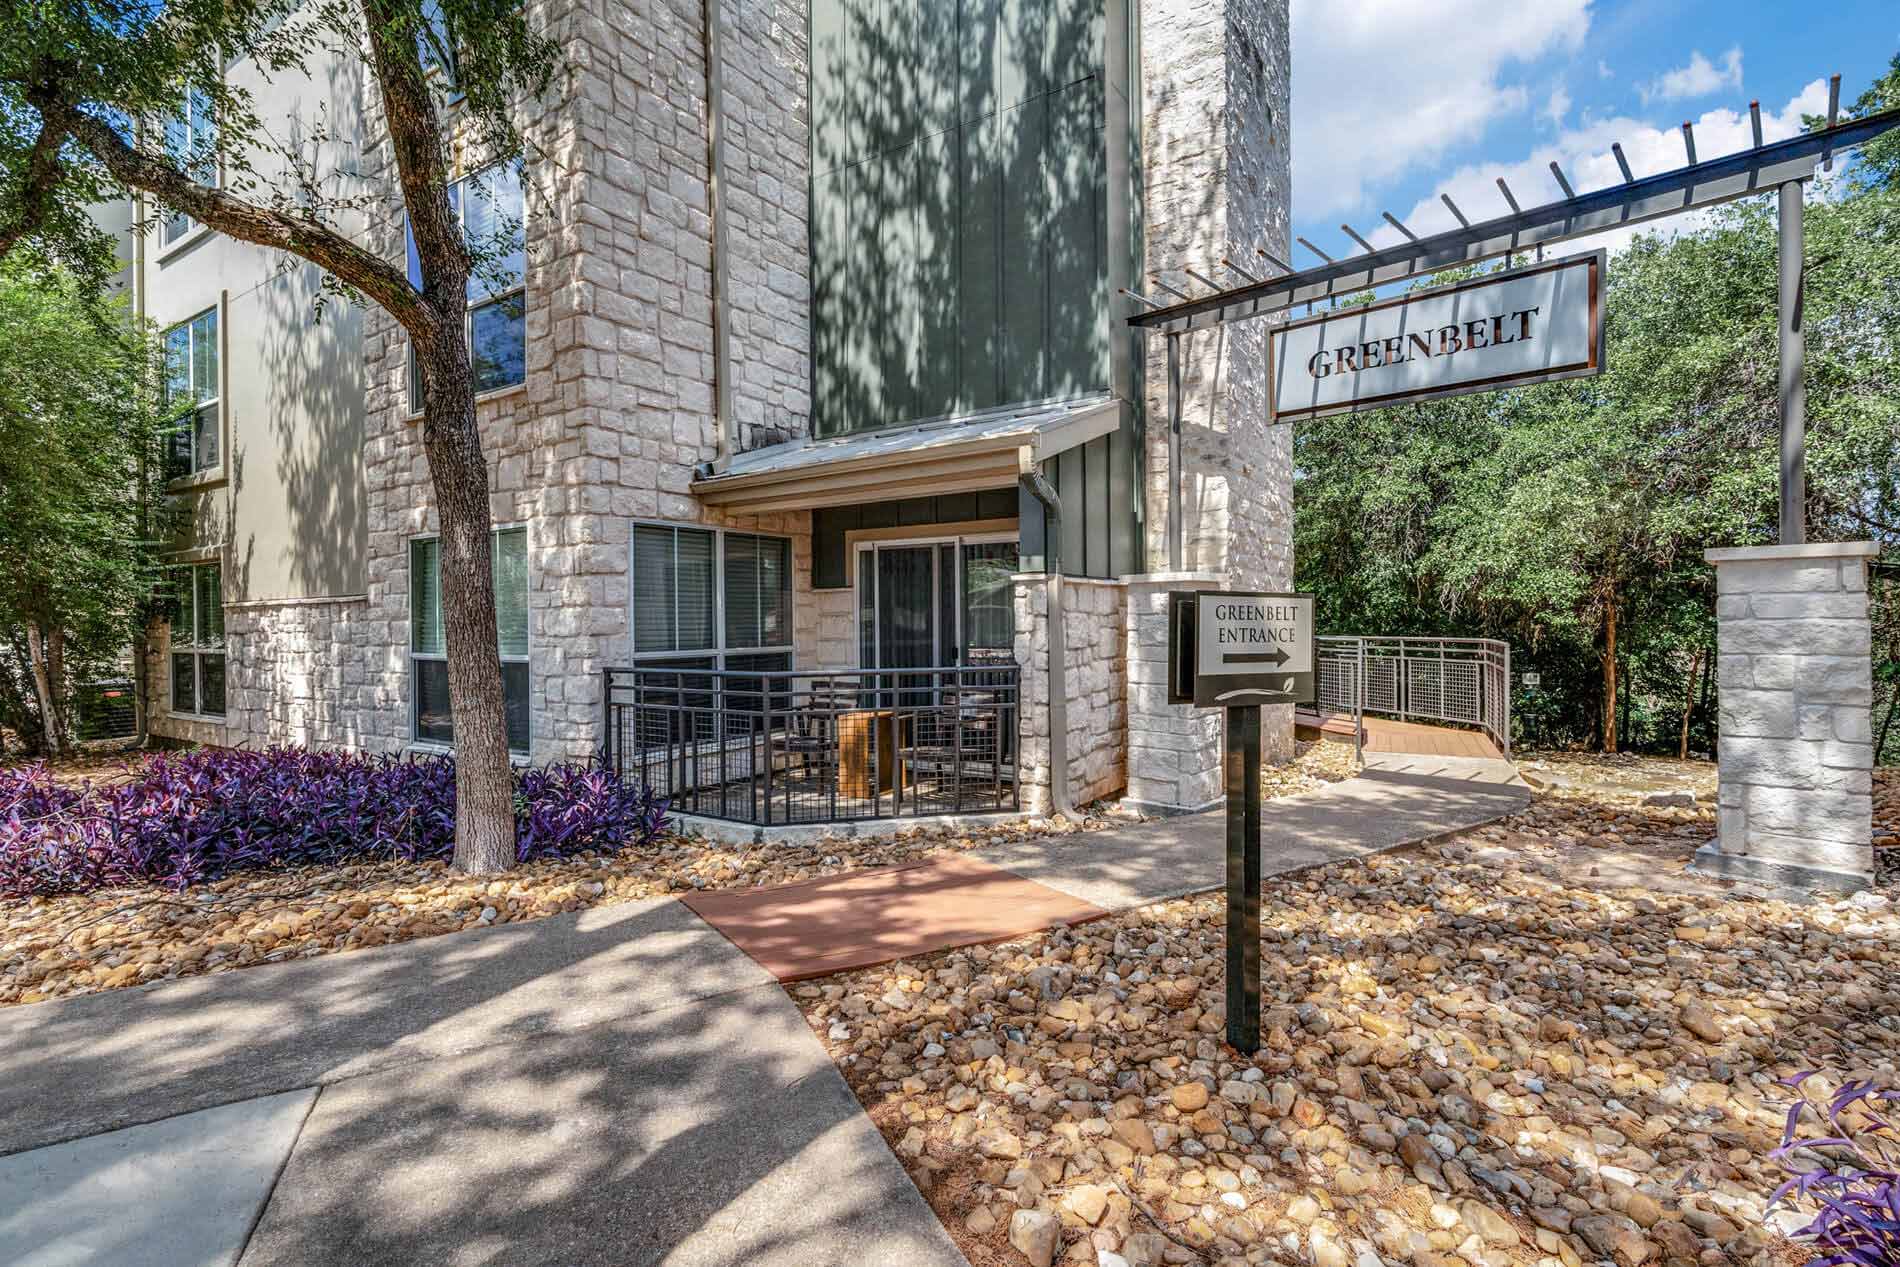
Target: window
<point x="428" y="652"/>
<point x="708" y="599"/>
<point x="711" y="599"/>
<point x="491" y="210"/>
<point x="436" y="47"/>
<point x="191" y="381"/>
<point x="191" y="139"/>
<point x="197" y="643"/>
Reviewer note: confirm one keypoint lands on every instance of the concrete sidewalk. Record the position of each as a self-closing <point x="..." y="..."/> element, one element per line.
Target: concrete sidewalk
<point x="1399" y="799"/>
<point x="621" y="1085"/>
<point x="615" y="1086"/>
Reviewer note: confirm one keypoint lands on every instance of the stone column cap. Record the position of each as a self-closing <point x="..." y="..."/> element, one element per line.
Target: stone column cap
<point x="1176" y="578"/>
<point x="1811" y="550"/>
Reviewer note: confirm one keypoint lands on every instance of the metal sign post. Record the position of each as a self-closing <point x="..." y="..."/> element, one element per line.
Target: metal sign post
<point x="1236" y="652"/>
<point x="1243" y="877"/>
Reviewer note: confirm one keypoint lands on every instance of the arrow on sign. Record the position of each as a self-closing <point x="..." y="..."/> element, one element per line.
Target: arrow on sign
<point x="1275" y="657"/>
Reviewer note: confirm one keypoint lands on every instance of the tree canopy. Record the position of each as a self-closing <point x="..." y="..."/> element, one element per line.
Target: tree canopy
<point x="101" y="99"/>
<point x="80" y="428"/>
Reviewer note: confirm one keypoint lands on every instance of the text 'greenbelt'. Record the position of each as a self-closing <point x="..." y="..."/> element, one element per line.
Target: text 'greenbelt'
<point x="1480" y="332"/>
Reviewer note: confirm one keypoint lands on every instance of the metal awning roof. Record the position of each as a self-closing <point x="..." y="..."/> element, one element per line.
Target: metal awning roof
<point x="956" y="455"/>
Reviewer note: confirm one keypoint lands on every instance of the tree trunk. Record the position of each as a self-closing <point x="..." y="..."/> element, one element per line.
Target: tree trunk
<point x="1688" y="704"/>
<point x="1609" y="673"/>
<point x="484" y="780"/>
<point x="56" y="670"/>
<point x="43" y="688"/>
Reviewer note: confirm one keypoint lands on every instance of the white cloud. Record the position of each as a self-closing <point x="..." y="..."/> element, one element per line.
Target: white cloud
<point x="1698" y="79"/>
<point x="1603" y="70"/>
<point x="1584" y="154"/>
<point x="1379" y="88"/>
<point x="1556" y="108"/>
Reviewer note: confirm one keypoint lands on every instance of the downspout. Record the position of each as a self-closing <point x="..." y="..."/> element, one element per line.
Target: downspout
<point x="723" y="445"/>
<point x="1043" y="491"/>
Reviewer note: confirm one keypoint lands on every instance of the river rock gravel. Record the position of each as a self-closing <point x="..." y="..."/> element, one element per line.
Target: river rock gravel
<point x="1485" y="1052"/>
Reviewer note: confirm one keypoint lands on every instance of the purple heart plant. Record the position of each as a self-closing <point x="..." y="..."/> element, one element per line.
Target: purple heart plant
<point x="1849" y="1171"/>
<point x="192" y="817"/>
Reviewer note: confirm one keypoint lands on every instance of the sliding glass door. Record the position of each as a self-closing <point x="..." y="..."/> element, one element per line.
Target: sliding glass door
<point x="936" y="604"/>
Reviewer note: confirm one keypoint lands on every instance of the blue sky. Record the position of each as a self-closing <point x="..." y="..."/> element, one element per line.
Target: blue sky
<point x="1396" y="101"/>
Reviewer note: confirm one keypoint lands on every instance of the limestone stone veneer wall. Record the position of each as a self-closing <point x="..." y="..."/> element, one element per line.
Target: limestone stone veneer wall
<point x="1096" y="679"/>
<point x="1174" y="750"/>
<point x="1795" y="732"/>
<point x="295" y="673"/>
<point x="1217" y="182"/>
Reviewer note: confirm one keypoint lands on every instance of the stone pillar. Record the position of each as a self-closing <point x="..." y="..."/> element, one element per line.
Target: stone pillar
<point x="1217" y="183"/>
<point x="1174" y="750"/>
<point x="1795" y="737"/>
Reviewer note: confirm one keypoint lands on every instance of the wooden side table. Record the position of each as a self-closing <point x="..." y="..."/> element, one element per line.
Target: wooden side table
<point x="857" y="731"/>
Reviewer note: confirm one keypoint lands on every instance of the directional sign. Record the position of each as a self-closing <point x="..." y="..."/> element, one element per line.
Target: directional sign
<point x="1533" y="679"/>
<point x="1253" y="649"/>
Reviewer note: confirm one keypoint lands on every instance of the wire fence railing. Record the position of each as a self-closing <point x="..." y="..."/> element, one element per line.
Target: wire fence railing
<point x="774" y="748"/>
<point x="1464" y="681"/>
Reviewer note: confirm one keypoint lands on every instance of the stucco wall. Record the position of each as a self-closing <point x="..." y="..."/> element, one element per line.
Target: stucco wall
<point x="286" y="501"/>
<point x="283" y="513"/>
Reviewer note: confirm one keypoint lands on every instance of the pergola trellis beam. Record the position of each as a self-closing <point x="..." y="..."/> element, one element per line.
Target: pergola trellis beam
<point x="1761" y="169"/>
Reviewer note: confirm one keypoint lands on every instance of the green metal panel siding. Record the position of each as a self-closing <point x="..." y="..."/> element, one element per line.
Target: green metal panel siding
<point x="1074" y="196"/>
<point x="935" y="94"/>
<point x="832" y="328"/>
<point x="960" y="241"/>
<point x="977" y="175"/>
<point x="1023" y="333"/>
<point x="892" y="276"/>
<point x="830" y="525"/>
<point x="1072" y="42"/>
<point x="937" y="353"/>
<point x="831" y="79"/>
<point x="979" y="266"/>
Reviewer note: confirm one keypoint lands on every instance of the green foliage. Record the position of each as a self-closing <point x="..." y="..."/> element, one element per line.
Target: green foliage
<point x="80" y="431"/>
<point x="1529" y="514"/>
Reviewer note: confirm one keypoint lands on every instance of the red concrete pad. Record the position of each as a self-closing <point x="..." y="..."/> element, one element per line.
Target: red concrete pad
<point x="818" y="927"/>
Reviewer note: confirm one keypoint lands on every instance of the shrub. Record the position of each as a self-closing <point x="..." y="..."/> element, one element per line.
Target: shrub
<point x="192" y="817"/>
<point x="1851" y="1172"/>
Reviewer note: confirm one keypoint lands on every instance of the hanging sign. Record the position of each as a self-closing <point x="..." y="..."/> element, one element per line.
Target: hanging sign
<point x="1527" y="325"/>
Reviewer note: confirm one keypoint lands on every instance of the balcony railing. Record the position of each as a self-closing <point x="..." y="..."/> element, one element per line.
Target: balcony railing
<point x="1466" y="681"/>
<point x="780" y="749"/>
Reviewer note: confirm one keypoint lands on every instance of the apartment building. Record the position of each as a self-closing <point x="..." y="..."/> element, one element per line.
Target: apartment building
<point x="807" y="381"/>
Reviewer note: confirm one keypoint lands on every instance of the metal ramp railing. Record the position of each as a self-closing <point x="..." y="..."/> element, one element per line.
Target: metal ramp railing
<point x="1464" y="681"/>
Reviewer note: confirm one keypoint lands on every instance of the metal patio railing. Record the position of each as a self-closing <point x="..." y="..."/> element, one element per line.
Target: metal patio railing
<point x="1465" y="681"/>
<point x="826" y="746"/>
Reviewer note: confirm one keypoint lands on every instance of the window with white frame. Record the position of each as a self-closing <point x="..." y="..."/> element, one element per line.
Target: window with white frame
<point x="197" y="641"/>
<point x="428" y="651"/>
<point x="192" y="387"/>
<point x="191" y="140"/>
<point x="490" y="208"/>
